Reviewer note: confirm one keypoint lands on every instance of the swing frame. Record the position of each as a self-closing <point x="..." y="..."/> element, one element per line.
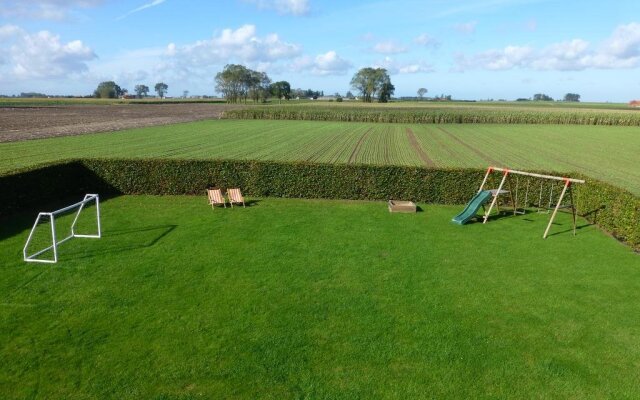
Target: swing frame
<point x="506" y="179"/>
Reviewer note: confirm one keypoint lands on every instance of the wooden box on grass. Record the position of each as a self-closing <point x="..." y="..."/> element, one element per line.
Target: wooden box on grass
<point x="402" y="206"/>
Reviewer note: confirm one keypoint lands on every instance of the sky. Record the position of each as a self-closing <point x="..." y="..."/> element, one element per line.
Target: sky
<point x="475" y="50"/>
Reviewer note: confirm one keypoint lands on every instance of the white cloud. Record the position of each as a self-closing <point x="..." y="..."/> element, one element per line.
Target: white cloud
<point x="7" y="31"/>
<point x="153" y="3"/>
<point x="389" y="47"/>
<point x="41" y="55"/>
<point x="194" y="62"/>
<point x="43" y="9"/>
<point x="621" y="50"/>
<point x="293" y="7"/>
<point x="239" y="45"/>
<point x="507" y="58"/>
<point x="624" y="42"/>
<point x="466" y="28"/>
<point x="395" y="67"/>
<point x="426" y="40"/>
<point x="330" y="63"/>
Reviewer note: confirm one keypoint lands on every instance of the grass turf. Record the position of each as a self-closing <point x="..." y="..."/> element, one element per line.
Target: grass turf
<point x="318" y="299"/>
<point x="560" y="148"/>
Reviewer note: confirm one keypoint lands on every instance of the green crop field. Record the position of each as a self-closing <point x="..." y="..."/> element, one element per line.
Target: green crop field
<point x="318" y="299"/>
<point x="447" y="112"/>
<point x="603" y="152"/>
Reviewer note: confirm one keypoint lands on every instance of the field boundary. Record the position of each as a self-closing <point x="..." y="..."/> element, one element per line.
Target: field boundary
<point x="615" y="210"/>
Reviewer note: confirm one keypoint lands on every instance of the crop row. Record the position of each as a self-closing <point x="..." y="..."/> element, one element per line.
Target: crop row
<point x="585" y="149"/>
<point x="437" y="116"/>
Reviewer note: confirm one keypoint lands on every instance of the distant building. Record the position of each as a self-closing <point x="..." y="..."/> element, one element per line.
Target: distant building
<point x="634" y="103"/>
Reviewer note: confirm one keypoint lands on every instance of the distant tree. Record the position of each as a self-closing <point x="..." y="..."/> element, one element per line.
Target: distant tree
<point x="258" y="85"/>
<point x="237" y="83"/>
<point x="231" y="82"/>
<point x="161" y="88"/>
<point x="349" y="95"/>
<point x="422" y="92"/>
<point x="108" y="90"/>
<point x="313" y="94"/>
<point x="522" y="99"/>
<point x="141" y="91"/>
<point x="185" y="94"/>
<point x="574" y="97"/>
<point x="297" y="93"/>
<point x="281" y="90"/>
<point x="32" y="94"/>
<point x="542" y="97"/>
<point x="386" y="91"/>
<point x="370" y="82"/>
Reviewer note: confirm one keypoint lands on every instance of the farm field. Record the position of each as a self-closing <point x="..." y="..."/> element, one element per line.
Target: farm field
<point x="40" y="119"/>
<point x="447" y="112"/>
<point x="603" y="152"/>
<point x="318" y="299"/>
<point x="521" y="105"/>
<point x="532" y="105"/>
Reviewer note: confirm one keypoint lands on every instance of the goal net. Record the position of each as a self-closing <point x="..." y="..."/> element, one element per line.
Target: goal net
<point x="51" y="229"/>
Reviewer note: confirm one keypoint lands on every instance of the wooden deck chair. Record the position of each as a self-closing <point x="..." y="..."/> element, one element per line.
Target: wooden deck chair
<point x="215" y="197"/>
<point x="235" y="197"/>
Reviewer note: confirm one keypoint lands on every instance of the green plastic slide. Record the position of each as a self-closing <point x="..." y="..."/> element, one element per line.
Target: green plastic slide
<point x="472" y="208"/>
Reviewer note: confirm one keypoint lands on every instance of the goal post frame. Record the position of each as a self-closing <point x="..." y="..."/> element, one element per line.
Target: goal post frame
<point x="54" y="239"/>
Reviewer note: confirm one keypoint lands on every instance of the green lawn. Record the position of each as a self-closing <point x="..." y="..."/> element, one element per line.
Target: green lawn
<point x="603" y="152"/>
<point x="321" y="300"/>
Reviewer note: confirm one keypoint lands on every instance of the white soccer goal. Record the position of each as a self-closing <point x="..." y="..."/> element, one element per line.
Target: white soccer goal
<point x="79" y="220"/>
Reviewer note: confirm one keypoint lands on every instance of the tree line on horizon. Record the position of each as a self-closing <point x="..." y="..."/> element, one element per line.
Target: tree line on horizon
<point x="111" y="90"/>
<point x="237" y="83"/>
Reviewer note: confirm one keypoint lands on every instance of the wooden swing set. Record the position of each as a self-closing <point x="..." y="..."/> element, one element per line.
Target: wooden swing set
<point x="506" y="180"/>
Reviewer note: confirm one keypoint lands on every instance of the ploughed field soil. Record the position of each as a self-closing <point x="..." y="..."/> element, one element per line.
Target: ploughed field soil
<point x="23" y="123"/>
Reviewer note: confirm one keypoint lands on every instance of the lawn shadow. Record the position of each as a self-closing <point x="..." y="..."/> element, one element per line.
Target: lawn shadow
<point x="252" y="202"/>
<point x="249" y="203"/>
<point x="578" y="227"/>
<point x="22" y="221"/>
<point x="593" y="214"/>
<point x="24" y="194"/>
<point x="133" y="239"/>
<point x="479" y="218"/>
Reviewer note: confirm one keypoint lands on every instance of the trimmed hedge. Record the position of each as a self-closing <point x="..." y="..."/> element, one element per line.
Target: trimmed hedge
<point x="614" y="210"/>
<point x="294" y="179"/>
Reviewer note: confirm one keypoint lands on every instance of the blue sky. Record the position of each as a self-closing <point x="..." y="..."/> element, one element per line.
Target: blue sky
<point x="469" y="49"/>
